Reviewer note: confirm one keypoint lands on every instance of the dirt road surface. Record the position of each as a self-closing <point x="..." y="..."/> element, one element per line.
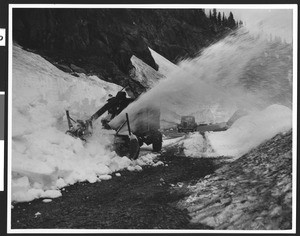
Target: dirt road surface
<point x="135" y="200"/>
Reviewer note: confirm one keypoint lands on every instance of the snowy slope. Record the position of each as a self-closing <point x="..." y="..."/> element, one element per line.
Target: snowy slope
<point x="165" y="67"/>
<point x="249" y="131"/>
<point x="44" y="158"/>
<point x="143" y="73"/>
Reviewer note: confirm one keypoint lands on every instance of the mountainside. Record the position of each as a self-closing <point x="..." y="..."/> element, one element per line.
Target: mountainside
<point x="102" y="41"/>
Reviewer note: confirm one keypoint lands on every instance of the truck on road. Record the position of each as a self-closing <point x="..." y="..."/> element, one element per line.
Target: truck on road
<point x="187" y="124"/>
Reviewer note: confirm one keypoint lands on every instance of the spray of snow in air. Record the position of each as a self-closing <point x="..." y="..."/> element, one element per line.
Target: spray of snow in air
<point x="228" y="75"/>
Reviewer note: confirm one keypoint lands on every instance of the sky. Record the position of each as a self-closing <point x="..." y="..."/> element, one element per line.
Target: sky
<point x="277" y="22"/>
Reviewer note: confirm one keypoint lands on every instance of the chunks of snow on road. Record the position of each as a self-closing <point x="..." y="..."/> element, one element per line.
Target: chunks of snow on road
<point x="194" y="145"/>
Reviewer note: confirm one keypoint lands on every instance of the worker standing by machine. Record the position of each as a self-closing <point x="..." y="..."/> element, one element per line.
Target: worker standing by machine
<point x="114" y="106"/>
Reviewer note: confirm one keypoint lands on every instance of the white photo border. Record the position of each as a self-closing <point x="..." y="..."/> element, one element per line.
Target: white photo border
<point x="293" y="7"/>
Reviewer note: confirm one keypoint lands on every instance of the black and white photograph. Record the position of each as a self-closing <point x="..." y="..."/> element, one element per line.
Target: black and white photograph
<point x="154" y="118"/>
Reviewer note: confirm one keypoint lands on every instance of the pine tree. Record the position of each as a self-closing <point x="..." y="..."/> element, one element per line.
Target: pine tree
<point x="219" y="19"/>
<point x="231" y="21"/>
<point x="215" y="15"/>
<point x="210" y="16"/>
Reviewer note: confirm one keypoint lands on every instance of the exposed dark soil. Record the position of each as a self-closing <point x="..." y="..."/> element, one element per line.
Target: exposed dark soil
<point x="135" y="200"/>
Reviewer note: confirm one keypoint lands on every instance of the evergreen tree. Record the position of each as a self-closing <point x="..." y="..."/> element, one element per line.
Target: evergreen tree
<point x="214" y="15"/>
<point x="231" y="21"/>
<point x="210" y="16"/>
<point x="219" y="19"/>
<point x="224" y="20"/>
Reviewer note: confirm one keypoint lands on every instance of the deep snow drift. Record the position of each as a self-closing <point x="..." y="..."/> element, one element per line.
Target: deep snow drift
<point x="246" y="133"/>
<point x="250" y="131"/>
<point x="44" y="158"/>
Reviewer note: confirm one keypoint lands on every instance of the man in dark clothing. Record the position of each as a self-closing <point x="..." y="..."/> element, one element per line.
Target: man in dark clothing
<point x="123" y="102"/>
<point x="114" y="106"/>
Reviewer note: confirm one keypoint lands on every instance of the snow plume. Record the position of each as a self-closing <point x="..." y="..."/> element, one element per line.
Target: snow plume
<point x="216" y="83"/>
<point x="44" y="158"/>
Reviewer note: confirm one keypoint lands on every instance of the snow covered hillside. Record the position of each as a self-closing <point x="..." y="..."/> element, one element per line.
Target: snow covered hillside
<point x="44" y="158"/>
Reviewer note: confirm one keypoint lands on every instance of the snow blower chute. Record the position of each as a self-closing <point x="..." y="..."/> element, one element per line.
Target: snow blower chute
<point x="82" y="129"/>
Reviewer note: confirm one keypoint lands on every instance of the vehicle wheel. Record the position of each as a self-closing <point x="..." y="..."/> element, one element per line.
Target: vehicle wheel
<point x="121" y="150"/>
<point x="134" y="149"/>
<point x="124" y="146"/>
<point x="157" y="141"/>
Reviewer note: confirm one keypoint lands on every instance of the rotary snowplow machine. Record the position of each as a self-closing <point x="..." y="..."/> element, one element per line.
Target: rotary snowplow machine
<point x="127" y="140"/>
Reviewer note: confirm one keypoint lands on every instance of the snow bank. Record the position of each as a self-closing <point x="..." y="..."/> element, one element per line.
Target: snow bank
<point x="250" y="131"/>
<point x="193" y="145"/>
<point x="246" y="133"/>
<point x="44" y="158"/>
